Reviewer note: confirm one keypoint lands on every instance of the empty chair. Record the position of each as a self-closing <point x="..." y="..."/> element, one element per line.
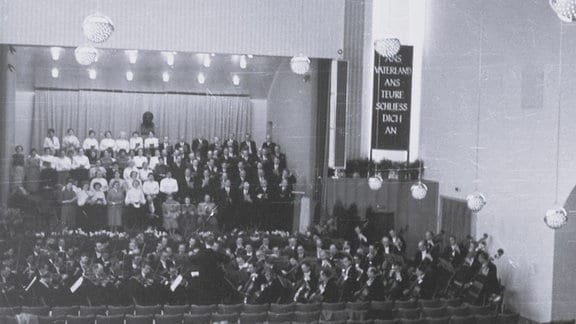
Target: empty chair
<point x="51" y="319"/>
<point x="486" y="319"/>
<point x="282" y="308"/>
<point x="230" y="309"/>
<point x="430" y="303"/>
<point x="508" y="318"/>
<point x="253" y="317"/>
<point x="63" y="311"/>
<point x="436" y="312"/>
<point x="39" y="310"/>
<point x="112" y="319"/>
<point x="307" y="308"/>
<point x="197" y="318"/>
<point x="306" y="317"/>
<point x="71" y="319"/>
<point x="230" y="318"/>
<point x="147" y="310"/>
<point x="279" y="318"/>
<point x="438" y="320"/>
<point x="176" y="309"/>
<point x="407" y="313"/>
<point x="458" y="311"/>
<point x="92" y="310"/>
<point x="139" y="319"/>
<point x="332" y="315"/>
<point x="451" y="302"/>
<point x="202" y="309"/>
<point x="168" y="319"/>
<point x="406" y="304"/>
<point x="251" y="309"/>
<point x="478" y="310"/>
<point x="120" y="310"/>
<point x="462" y="320"/>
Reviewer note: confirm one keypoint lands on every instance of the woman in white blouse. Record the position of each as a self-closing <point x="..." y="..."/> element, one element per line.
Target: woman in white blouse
<point x="90" y="143"/>
<point x="136" y="141"/>
<point x="108" y="142"/>
<point x="151" y="142"/>
<point x="63" y="165"/>
<point x="80" y="166"/>
<point x="122" y="143"/>
<point x="70" y="141"/>
<point x="51" y="141"/>
<point x="135" y="202"/>
<point x="139" y="159"/>
<point x="145" y="171"/>
<point x="151" y="187"/>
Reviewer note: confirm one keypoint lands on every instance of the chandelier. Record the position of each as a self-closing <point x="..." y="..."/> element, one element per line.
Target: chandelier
<point x="556" y="217"/>
<point x="97" y="28"/>
<point x="300" y="64"/>
<point x="86" y="54"/>
<point x="476" y="201"/>
<point x="419" y="190"/>
<point x="387" y="47"/>
<point x="375" y="182"/>
<point x="565" y="9"/>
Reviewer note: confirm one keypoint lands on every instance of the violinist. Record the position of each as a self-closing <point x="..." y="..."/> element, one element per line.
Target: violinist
<point x="423" y="286"/>
<point x="373" y="288"/>
<point x="328" y="289"/>
<point x="306" y="285"/>
<point x="423" y="257"/>
<point x="433" y="244"/>
<point x="142" y="286"/>
<point x="174" y="287"/>
<point x="485" y="279"/>
<point x="271" y="290"/>
<point x="453" y="253"/>
<point x="9" y="287"/>
<point x="395" y="282"/>
<point x="348" y="283"/>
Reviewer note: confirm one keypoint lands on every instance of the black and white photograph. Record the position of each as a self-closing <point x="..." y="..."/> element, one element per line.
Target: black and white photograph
<point x="287" y="161"/>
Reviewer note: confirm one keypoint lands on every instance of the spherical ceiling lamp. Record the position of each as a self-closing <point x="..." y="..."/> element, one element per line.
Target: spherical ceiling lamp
<point x="375" y="183"/>
<point x="419" y="191"/>
<point x="300" y="64"/>
<point x="387" y="47"/>
<point x="97" y="28"/>
<point x="86" y="54"/>
<point x="565" y="9"/>
<point x="556" y="217"/>
<point x="476" y="201"/>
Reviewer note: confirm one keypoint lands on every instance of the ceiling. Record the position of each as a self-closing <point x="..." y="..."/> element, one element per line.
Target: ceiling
<point x="34" y="67"/>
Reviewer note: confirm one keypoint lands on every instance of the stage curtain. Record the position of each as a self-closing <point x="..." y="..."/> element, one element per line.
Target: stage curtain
<point x="175" y="115"/>
<point x="456" y="218"/>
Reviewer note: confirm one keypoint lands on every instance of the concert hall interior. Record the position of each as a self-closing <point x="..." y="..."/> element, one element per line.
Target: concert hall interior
<point x="287" y="161"/>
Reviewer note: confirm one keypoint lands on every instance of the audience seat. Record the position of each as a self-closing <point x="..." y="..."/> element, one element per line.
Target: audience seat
<point x="176" y="309"/>
<point x="306" y="317"/>
<point x="451" y="302"/>
<point x="282" y="308"/>
<point x="333" y="306"/>
<point x="92" y="310"/>
<point x="479" y="310"/>
<point x="202" y="309"/>
<point x="486" y="319"/>
<point x="333" y="315"/>
<point x="147" y="310"/>
<point x="381" y="310"/>
<point x="407" y="313"/>
<point x="112" y="319"/>
<point x="386" y="321"/>
<point x="358" y="322"/>
<point x="63" y="311"/>
<point x="438" y="320"/>
<point x="458" y="311"/>
<point x="251" y="309"/>
<point x="430" y="303"/>
<point x="436" y="312"/>
<point x="307" y="308"/>
<point x="230" y="309"/>
<point x="331" y="322"/>
<point x="37" y="310"/>
<point x="139" y="319"/>
<point x="168" y="319"/>
<point x="71" y="319"/>
<point x="406" y="304"/>
<point x="280" y="318"/>
<point x="413" y="321"/>
<point x="357" y="311"/>
<point x="508" y="318"/>
<point x="197" y="318"/>
<point x="253" y="318"/>
<point x="462" y="320"/>
<point x="51" y="319"/>
<point x="120" y="310"/>
<point x="230" y="318"/>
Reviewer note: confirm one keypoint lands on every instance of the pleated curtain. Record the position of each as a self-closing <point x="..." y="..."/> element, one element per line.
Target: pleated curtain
<point x="175" y="115"/>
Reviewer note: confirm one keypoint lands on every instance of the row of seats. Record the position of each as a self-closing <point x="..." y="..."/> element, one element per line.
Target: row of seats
<point x="271" y="318"/>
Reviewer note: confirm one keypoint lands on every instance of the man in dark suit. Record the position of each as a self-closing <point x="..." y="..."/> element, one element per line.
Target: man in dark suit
<point x="182" y="145"/>
<point x="423" y="257"/>
<point x="348" y="282"/>
<point x="264" y="196"/>
<point x="205" y="183"/>
<point x="424" y="285"/>
<point x="187" y="185"/>
<point x="232" y="144"/>
<point x="165" y="145"/>
<point x="268" y="144"/>
<point x="328" y="288"/>
<point x="453" y="252"/>
<point x="249" y="145"/>
<point x="226" y="198"/>
<point x="200" y="147"/>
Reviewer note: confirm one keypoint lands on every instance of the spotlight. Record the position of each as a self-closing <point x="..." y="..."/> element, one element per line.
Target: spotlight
<point x="250" y="56"/>
<point x="236" y="79"/>
<point x="206" y="61"/>
<point x="56" y="52"/>
<point x="129" y="76"/>
<point x="55" y="73"/>
<point x="92" y="74"/>
<point x="243" y="62"/>
<point x="169" y="57"/>
<point x="165" y="76"/>
<point x="132" y="56"/>
<point x="201" y="78"/>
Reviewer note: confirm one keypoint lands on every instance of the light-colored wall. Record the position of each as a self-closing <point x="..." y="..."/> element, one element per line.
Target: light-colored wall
<point x="23" y="125"/>
<point x="259" y="27"/>
<point x="259" y="120"/>
<point x="477" y="55"/>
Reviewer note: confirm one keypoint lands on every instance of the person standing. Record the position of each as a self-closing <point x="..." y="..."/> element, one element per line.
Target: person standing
<point x="68" y="205"/>
<point x="17" y="168"/>
<point x="51" y="141"/>
<point x="135" y="202"/>
<point x="115" y="205"/>
<point x="32" y="171"/>
<point x="170" y="213"/>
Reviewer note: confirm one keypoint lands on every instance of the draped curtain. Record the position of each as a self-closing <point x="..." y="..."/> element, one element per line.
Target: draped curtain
<point x="175" y="115"/>
<point x="456" y="218"/>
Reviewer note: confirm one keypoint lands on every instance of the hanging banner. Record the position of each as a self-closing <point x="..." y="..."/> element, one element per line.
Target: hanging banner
<point x="392" y="100"/>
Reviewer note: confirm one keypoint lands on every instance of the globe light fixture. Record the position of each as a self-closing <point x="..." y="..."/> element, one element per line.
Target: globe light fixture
<point x="375" y="182"/>
<point x="236" y="79"/>
<point x="55" y="52"/>
<point x="300" y="64"/>
<point x="97" y="28"/>
<point x="55" y="73"/>
<point x="243" y="62"/>
<point x="132" y="56"/>
<point x="565" y="9"/>
<point x="556" y="217"/>
<point x="419" y="191"/>
<point x="476" y="201"/>
<point x="92" y="74"/>
<point x="201" y="78"/>
<point x="86" y="54"/>
<point x="129" y="75"/>
<point x="387" y="47"/>
<point x="165" y="76"/>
